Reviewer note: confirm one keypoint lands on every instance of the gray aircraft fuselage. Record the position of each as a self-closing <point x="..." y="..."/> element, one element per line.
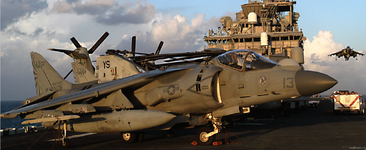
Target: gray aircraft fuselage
<point x="222" y="88"/>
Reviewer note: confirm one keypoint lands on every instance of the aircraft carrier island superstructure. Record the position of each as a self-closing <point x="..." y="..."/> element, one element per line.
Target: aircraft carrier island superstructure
<point x="268" y="27"/>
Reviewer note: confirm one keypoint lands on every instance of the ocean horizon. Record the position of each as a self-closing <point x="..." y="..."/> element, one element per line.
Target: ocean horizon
<point x="7" y="105"/>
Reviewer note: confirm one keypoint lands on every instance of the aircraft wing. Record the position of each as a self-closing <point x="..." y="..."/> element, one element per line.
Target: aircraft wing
<point x="359" y="53"/>
<point x="102" y="89"/>
<point x="182" y="56"/>
<point x="335" y="53"/>
<point x="172" y="58"/>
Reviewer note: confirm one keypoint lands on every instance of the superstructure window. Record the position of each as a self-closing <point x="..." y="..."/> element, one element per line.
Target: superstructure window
<point x="212" y="42"/>
<point x="275" y="38"/>
<point x="248" y="39"/>
<point x="284" y="38"/>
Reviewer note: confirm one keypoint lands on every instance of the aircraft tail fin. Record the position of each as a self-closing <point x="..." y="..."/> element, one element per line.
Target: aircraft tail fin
<point x="112" y="67"/>
<point x="46" y="77"/>
<point x="82" y="74"/>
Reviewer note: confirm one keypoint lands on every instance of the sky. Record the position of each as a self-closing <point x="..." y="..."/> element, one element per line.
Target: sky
<point x="36" y="25"/>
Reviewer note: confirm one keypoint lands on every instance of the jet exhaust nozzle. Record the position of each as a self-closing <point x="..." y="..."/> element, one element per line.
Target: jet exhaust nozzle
<point x="310" y="82"/>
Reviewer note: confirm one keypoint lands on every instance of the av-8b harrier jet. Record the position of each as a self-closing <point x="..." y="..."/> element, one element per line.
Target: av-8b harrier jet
<point x="346" y="53"/>
<point x="199" y="94"/>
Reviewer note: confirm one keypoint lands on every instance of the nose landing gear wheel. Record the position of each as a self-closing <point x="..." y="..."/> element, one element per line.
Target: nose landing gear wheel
<point x="201" y="136"/>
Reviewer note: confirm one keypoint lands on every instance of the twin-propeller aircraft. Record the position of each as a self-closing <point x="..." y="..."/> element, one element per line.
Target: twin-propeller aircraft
<point x="198" y="93"/>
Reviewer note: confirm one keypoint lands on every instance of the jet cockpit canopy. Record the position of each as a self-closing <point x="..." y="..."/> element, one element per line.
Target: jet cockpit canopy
<point x="244" y="59"/>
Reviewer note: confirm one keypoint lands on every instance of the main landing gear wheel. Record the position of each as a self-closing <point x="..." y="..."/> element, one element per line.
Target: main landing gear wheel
<point x="132" y="137"/>
<point x="284" y="112"/>
<point x="201" y="136"/>
<point x="170" y="134"/>
<point x="65" y="142"/>
<point x="361" y="112"/>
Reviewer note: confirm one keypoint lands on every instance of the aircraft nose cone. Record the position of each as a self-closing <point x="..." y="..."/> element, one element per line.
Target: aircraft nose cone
<point x="310" y="82"/>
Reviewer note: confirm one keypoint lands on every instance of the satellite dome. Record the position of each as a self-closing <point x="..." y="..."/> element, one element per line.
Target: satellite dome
<point x="252" y="18"/>
<point x="264" y="39"/>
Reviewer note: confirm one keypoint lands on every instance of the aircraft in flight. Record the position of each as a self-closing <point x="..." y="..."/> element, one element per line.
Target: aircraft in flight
<point x="346" y="53"/>
<point x="200" y="94"/>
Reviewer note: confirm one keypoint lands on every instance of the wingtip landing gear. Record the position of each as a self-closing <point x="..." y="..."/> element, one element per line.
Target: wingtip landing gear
<point x="132" y="137"/>
<point x="170" y="134"/>
<point x="65" y="140"/>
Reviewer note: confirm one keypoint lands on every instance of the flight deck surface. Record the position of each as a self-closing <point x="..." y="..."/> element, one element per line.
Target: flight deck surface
<point x="312" y="128"/>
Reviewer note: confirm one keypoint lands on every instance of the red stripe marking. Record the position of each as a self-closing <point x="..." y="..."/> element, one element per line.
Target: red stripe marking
<point x="341" y="103"/>
<point x="354" y="100"/>
<point x="335" y="97"/>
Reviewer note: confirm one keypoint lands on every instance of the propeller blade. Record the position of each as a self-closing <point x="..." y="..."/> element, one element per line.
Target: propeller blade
<point x="71" y="53"/>
<point x="146" y="54"/>
<point x="68" y="74"/>
<point x="61" y="50"/>
<point x="159" y="48"/>
<point x="96" y="45"/>
<point x="75" y="42"/>
<point x="133" y="46"/>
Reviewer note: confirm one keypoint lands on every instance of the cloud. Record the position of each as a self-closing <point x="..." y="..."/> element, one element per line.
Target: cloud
<point x="139" y="14"/>
<point x="16" y="69"/>
<point x="15" y="10"/>
<point x="349" y="74"/>
<point x="108" y="12"/>
<point x="178" y="34"/>
<point x="317" y="51"/>
<point x="92" y="7"/>
<point x="53" y="27"/>
<point x="37" y="32"/>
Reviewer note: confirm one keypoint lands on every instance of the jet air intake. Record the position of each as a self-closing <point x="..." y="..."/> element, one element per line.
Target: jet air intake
<point x="310" y="82"/>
